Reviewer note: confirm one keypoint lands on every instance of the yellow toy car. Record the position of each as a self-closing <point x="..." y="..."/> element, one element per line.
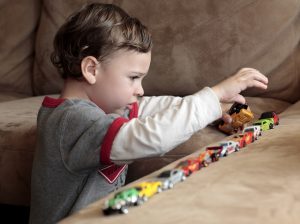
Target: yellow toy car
<point x="240" y="114"/>
<point x="148" y="189"/>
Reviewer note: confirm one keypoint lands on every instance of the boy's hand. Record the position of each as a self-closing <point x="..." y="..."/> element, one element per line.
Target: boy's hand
<point x="229" y="90"/>
<point x="226" y="117"/>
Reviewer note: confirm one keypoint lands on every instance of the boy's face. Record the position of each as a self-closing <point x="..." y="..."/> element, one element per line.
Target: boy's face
<point x="119" y="80"/>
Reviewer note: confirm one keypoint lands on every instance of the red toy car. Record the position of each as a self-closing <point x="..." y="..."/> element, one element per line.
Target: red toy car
<point x="270" y="115"/>
<point x="189" y="166"/>
<point x="207" y="157"/>
<point x="244" y="139"/>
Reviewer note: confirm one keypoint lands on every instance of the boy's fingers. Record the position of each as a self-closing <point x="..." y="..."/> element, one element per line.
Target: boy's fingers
<point x="226" y="118"/>
<point x="258" y="84"/>
<point x="262" y="78"/>
<point x="239" y="99"/>
<point x="255" y="74"/>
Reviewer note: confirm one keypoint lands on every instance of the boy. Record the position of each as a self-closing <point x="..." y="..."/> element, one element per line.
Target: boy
<point x="101" y="122"/>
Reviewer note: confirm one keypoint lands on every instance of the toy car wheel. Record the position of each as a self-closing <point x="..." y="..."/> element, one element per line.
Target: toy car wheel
<point x="124" y="210"/>
<point x="183" y="178"/>
<point x="107" y="211"/>
<point x="237" y="148"/>
<point x="171" y="185"/>
<point x="271" y="126"/>
<point x="159" y="190"/>
<point x="205" y="164"/>
<point x="215" y="158"/>
<point x="139" y="202"/>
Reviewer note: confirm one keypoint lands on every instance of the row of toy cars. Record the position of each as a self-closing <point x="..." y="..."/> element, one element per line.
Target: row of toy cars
<point x="140" y="193"/>
<point x="240" y="114"/>
<point x="243" y="135"/>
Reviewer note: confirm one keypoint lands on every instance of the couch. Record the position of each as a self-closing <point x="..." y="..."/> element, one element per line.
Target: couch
<point x="196" y="44"/>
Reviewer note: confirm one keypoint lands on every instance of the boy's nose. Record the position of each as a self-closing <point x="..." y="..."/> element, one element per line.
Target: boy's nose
<point x="140" y="91"/>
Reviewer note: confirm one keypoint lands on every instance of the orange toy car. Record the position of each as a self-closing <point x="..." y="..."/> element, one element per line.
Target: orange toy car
<point x="240" y="114"/>
<point x="207" y="157"/>
<point x="244" y="139"/>
<point x="189" y="166"/>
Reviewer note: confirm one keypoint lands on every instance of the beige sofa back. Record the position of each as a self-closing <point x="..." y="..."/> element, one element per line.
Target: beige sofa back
<point x="18" y="23"/>
<point x="197" y="43"/>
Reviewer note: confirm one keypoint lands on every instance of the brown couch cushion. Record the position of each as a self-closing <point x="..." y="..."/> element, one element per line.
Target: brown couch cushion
<point x="18" y="22"/>
<point x="199" y="43"/>
<point x="8" y="96"/>
<point x="17" y="144"/>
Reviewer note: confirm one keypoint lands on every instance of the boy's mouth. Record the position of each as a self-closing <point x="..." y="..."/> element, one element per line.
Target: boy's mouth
<point x="129" y="106"/>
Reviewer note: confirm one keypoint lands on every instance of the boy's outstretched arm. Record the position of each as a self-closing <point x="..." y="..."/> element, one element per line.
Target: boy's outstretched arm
<point x="158" y="133"/>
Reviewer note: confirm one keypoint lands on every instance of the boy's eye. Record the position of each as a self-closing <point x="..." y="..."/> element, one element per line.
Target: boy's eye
<point x="134" y="77"/>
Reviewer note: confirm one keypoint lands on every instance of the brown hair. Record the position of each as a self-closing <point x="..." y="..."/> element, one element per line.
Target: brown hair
<point x="97" y="30"/>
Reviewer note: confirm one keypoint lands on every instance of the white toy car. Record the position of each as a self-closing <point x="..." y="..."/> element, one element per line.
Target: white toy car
<point x="229" y="147"/>
<point x="255" y="129"/>
<point x="171" y="177"/>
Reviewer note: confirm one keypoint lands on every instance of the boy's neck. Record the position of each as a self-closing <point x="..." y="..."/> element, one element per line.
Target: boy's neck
<point x="73" y="89"/>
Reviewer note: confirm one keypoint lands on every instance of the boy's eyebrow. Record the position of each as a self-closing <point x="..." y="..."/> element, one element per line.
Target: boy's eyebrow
<point x="140" y="73"/>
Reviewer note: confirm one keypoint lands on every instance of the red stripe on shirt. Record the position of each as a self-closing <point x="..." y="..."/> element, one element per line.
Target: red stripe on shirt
<point x="134" y="111"/>
<point x="52" y="102"/>
<point x="109" y="138"/>
<point x="112" y="171"/>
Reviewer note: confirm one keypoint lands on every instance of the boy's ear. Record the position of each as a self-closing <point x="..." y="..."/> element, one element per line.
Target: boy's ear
<point x="88" y="69"/>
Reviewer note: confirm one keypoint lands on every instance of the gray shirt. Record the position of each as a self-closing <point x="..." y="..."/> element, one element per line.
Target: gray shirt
<point x="66" y="174"/>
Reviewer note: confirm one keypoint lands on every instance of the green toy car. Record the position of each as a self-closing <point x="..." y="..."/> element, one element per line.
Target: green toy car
<point x="265" y="124"/>
<point x="121" y="201"/>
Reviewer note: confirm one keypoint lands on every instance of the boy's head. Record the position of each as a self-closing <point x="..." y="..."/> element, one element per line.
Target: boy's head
<point x="110" y="50"/>
<point x="97" y="30"/>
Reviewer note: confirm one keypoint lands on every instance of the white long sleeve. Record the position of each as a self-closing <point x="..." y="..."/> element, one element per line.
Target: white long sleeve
<point x="164" y="123"/>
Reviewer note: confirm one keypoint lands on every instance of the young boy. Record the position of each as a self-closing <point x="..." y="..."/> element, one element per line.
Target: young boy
<point x="101" y="122"/>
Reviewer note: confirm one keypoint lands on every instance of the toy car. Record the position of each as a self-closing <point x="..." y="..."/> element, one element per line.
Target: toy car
<point x="265" y="124"/>
<point x="217" y="149"/>
<point x="169" y="178"/>
<point x="121" y="201"/>
<point x="225" y="148"/>
<point x="271" y="115"/>
<point x="148" y="189"/>
<point x="243" y="139"/>
<point x="240" y="114"/>
<point x="229" y="147"/>
<point x="255" y="129"/>
<point x="207" y="157"/>
<point x="188" y="166"/>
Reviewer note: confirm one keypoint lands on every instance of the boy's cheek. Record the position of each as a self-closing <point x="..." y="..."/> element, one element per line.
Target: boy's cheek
<point x="120" y="111"/>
